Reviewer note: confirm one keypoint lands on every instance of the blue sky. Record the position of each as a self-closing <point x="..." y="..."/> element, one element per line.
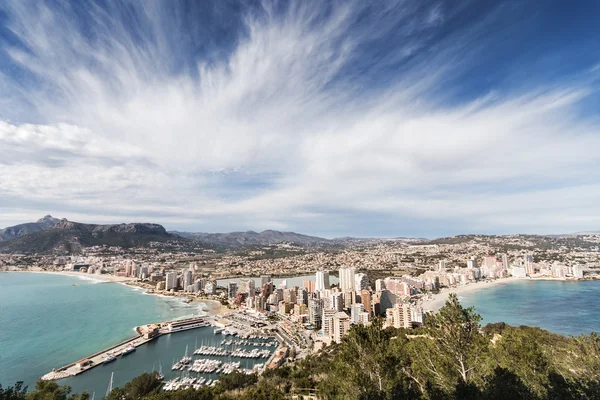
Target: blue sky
<point x="388" y="118"/>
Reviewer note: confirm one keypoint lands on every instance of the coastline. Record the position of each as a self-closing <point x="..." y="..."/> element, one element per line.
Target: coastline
<point x="99" y="277"/>
<point x="213" y="307"/>
<point x="434" y="302"/>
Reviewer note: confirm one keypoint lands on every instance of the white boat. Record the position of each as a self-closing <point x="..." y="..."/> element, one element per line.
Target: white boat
<point x="109" y="358"/>
<point x="186" y="359"/>
<point x="127" y="350"/>
<point x="218" y="330"/>
<point x="160" y="375"/>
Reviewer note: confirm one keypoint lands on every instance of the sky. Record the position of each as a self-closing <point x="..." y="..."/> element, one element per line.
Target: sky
<point x="332" y="118"/>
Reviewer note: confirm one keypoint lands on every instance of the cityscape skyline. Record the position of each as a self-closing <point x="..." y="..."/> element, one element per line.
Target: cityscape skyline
<point x="422" y="119"/>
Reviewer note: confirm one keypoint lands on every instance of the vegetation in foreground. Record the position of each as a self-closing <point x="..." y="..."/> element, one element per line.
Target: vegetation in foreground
<point x="450" y="357"/>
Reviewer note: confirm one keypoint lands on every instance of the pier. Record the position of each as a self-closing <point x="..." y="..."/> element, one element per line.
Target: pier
<point x="146" y="333"/>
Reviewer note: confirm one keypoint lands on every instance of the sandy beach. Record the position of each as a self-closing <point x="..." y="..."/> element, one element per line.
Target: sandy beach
<point x="214" y="307"/>
<point x="103" y="277"/>
<point x="435" y="301"/>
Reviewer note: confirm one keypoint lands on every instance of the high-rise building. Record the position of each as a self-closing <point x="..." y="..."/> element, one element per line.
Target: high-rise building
<point x="347" y="279"/>
<point x="360" y="282"/>
<point x="309" y="285"/>
<point x="198" y="285"/>
<point x="187" y="278"/>
<point x="302" y="296"/>
<point x="248" y="286"/>
<point x="399" y="316"/>
<point x="505" y="264"/>
<point x="315" y="312"/>
<point x="209" y="288"/>
<point x="365" y="298"/>
<point x="327" y="321"/>
<point x="577" y="272"/>
<point x="171" y="280"/>
<point x="322" y="281"/>
<point x="289" y="295"/>
<point x="336" y="301"/>
<point x="442" y="266"/>
<point x="355" y="311"/>
<point x="349" y="299"/>
<point x="472" y="263"/>
<point x="232" y="289"/>
<point x="341" y="325"/>
<point x="397" y="286"/>
<point x="379" y="285"/>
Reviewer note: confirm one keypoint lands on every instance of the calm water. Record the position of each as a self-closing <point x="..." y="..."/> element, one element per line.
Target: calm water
<point x="46" y="322"/>
<point x="570" y="308"/>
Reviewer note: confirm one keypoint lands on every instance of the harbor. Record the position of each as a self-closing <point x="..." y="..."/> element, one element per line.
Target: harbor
<point x="189" y="358"/>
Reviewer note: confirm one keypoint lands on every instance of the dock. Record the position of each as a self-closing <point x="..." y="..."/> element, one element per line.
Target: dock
<point x="146" y="333"/>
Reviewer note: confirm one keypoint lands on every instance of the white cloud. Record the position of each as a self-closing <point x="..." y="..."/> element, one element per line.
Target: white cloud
<point x="124" y="138"/>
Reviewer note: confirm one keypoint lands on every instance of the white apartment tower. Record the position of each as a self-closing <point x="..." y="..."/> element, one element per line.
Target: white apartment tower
<point x="171" y="280"/>
<point x="347" y="279"/>
<point x="322" y="281"/>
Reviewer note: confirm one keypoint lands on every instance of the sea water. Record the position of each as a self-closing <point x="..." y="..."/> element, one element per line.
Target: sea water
<point x="569" y="308"/>
<point x="47" y="321"/>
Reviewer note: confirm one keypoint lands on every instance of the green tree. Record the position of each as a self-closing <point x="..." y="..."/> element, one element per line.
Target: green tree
<point x="17" y="392"/>
<point x="452" y="352"/>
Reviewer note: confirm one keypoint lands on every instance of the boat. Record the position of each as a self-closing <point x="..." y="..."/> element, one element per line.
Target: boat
<point x="127" y="350"/>
<point x="218" y="330"/>
<point x="109" y="358"/>
<point x="186" y="359"/>
<point x="160" y="375"/>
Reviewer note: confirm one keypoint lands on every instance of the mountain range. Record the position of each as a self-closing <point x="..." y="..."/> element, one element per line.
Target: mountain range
<point x="61" y="235"/>
<point x="251" y="238"/>
<point x="53" y="234"/>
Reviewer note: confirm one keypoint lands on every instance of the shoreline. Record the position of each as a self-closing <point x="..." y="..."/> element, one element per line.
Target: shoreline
<point x="213" y="307"/>
<point x="100" y="277"/>
<point x="434" y="302"/>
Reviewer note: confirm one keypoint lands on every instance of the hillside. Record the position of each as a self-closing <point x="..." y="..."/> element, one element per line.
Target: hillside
<point x="70" y="237"/>
<point x="16" y="231"/>
<point x="250" y="238"/>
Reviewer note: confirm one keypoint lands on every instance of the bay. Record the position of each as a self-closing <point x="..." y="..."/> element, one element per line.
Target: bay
<point x="569" y="308"/>
<point x="47" y="322"/>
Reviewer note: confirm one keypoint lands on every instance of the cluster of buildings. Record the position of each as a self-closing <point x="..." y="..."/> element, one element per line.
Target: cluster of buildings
<point x="330" y="310"/>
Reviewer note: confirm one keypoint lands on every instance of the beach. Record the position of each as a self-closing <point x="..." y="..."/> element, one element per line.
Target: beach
<point x="434" y="302"/>
<point x="100" y="277"/>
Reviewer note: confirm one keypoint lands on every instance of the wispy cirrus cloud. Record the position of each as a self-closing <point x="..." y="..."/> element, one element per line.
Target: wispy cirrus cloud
<point x="330" y="119"/>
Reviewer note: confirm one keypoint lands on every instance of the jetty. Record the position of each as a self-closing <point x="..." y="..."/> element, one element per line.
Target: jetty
<point x="145" y="334"/>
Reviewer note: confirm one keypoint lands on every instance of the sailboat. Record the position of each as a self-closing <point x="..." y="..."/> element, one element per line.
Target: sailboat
<point x="110" y="385"/>
<point x="160" y="375"/>
<point x="186" y="359"/>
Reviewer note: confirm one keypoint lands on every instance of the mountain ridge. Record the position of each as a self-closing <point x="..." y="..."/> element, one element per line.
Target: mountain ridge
<point x="69" y="236"/>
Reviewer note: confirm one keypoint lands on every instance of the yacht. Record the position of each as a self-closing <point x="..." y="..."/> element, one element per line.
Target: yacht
<point x="128" y="349"/>
<point x="109" y="358"/>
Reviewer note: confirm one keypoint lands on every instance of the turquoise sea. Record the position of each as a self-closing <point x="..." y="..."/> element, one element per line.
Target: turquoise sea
<point x="47" y="321"/>
<point x="570" y="308"/>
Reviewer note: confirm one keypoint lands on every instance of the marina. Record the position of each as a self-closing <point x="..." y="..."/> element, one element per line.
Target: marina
<point x="200" y="365"/>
